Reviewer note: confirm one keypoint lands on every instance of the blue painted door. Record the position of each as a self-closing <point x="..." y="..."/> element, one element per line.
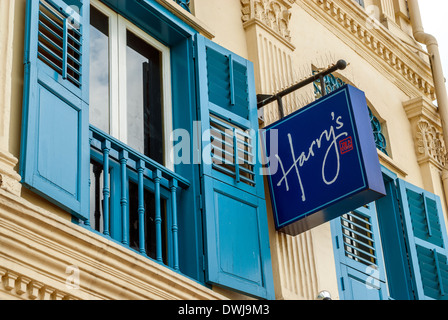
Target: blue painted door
<point x="358" y="255"/>
<point x="236" y="230"/>
<point x="54" y="147"/>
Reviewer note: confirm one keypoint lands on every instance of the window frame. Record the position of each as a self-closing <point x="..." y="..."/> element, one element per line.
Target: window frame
<point x="360" y="2"/>
<point x="118" y="26"/>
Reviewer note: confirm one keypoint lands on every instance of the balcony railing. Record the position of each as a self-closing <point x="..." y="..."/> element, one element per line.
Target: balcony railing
<point x="184" y="4"/>
<point x="134" y="199"/>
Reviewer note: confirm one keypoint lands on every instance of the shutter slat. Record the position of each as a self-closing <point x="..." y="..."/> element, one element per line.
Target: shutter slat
<point x="59" y="42"/>
<point x="358" y="238"/>
<point x="50" y="63"/>
<point x="358" y="226"/>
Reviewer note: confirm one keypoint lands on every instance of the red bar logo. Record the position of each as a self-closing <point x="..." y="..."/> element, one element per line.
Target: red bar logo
<point x="346" y="145"/>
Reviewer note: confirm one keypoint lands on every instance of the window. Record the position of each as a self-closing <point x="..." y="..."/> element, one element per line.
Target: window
<point x="129" y="100"/>
<point x="378" y="134"/>
<point x="130" y="96"/>
<point x="103" y="105"/>
<point x="397" y="245"/>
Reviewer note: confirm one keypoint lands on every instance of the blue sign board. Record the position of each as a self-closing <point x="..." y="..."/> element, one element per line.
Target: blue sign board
<point x="322" y="161"/>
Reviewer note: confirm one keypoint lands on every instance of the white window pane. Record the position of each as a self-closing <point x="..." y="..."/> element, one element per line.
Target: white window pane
<point x="99" y="70"/>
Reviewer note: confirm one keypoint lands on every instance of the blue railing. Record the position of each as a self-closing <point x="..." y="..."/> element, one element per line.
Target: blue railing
<point x="184" y="4"/>
<point x="112" y="199"/>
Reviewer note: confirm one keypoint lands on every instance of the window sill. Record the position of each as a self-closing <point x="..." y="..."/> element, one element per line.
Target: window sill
<point x="389" y="163"/>
<point x="187" y="17"/>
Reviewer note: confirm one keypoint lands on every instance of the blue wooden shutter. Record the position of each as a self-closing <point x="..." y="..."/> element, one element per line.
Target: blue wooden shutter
<point x="55" y="146"/>
<point x="426" y="237"/>
<point x="358" y="254"/>
<point x="236" y="230"/>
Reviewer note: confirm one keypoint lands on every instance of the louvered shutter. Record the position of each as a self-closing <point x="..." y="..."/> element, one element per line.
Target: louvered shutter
<point x="359" y="255"/>
<point x="236" y="233"/>
<point x="426" y="238"/>
<point x="54" y="146"/>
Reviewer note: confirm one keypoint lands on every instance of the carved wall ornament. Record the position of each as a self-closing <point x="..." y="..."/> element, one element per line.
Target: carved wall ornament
<point x="430" y="143"/>
<point x="273" y="14"/>
<point x="427" y="131"/>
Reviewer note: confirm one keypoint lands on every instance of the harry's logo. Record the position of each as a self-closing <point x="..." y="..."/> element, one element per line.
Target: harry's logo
<point x="346" y="145"/>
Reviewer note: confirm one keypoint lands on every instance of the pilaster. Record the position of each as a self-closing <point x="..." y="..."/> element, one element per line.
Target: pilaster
<point x="272" y="15"/>
<point x="429" y="144"/>
<point x="388" y="10"/>
<point x="9" y="179"/>
<point x="270" y="47"/>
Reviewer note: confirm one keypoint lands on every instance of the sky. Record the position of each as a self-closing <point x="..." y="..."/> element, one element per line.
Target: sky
<point x="435" y="21"/>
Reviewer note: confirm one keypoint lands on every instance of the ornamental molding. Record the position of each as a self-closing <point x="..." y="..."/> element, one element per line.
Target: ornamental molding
<point x="41" y="251"/>
<point x="353" y="25"/>
<point x="9" y="178"/>
<point x="19" y="286"/>
<point x="275" y="15"/>
<point x="427" y="132"/>
<point x="430" y="144"/>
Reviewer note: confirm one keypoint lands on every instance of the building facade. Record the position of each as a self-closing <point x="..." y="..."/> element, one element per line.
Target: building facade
<point x="130" y="154"/>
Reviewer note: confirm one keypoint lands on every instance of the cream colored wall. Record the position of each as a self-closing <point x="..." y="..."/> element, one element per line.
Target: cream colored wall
<point x="9" y="179"/>
<point x="224" y="18"/>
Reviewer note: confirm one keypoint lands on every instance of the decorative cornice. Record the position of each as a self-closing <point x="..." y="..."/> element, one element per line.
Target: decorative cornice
<point x="273" y="14"/>
<point x="19" y="286"/>
<point x="403" y="66"/>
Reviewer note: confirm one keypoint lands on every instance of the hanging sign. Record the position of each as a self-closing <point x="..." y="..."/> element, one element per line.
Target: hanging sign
<point x="322" y="161"/>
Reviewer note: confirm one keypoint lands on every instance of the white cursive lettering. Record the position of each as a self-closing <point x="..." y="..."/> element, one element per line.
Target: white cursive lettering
<point x="327" y="135"/>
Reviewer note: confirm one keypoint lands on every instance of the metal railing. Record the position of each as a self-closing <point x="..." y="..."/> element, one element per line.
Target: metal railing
<point x="264" y="99"/>
<point x="149" y="176"/>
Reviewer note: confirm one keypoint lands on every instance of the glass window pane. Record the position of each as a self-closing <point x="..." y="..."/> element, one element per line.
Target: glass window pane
<point x="99" y="70"/>
<point x="144" y="99"/>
